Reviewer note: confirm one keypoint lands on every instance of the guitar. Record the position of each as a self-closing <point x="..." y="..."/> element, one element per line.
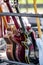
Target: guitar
<point x="9" y="48"/>
<point x="30" y="35"/>
<point x="19" y="48"/>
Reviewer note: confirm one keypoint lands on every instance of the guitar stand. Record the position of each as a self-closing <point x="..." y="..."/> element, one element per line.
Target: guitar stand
<point x="13" y="62"/>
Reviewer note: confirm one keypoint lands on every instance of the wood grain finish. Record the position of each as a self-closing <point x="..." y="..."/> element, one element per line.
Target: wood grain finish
<point x="9" y="49"/>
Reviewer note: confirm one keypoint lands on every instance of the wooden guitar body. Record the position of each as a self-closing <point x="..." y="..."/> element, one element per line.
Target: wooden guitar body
<point x="14" y="49"/>
<point x="20" y="49"/>
<point x="17" y="38"/>
<point x="10" y="49"/>
<point x="20" y="53"/>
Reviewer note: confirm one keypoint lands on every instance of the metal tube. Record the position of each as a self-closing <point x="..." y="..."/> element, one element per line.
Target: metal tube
<point x="37" y="19"/>
<point x="21" y="14"/>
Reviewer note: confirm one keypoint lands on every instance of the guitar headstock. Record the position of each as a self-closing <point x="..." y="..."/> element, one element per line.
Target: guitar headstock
<point x="16" y="3"/>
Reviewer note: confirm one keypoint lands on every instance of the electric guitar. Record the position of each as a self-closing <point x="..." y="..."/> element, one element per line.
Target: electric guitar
<point x="31" y="35"/>
<point x="19" y="48"/>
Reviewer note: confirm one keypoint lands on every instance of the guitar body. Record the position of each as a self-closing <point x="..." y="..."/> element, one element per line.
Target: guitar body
<point x="14" y="50"/>
<point x="10" y="49"/>
<point x="20" y="49"/>
<point x="20" y="53"/>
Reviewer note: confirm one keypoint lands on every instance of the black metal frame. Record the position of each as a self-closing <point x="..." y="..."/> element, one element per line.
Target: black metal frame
<point x="30" y="6"/>
<point x="13" y="62"/>
<point x="21" y="14"/>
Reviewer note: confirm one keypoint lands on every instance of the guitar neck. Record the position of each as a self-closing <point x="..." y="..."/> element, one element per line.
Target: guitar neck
<point x="13" y="17"/>
<point x="23" y="27"/>
<point x="17" y="10"/>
